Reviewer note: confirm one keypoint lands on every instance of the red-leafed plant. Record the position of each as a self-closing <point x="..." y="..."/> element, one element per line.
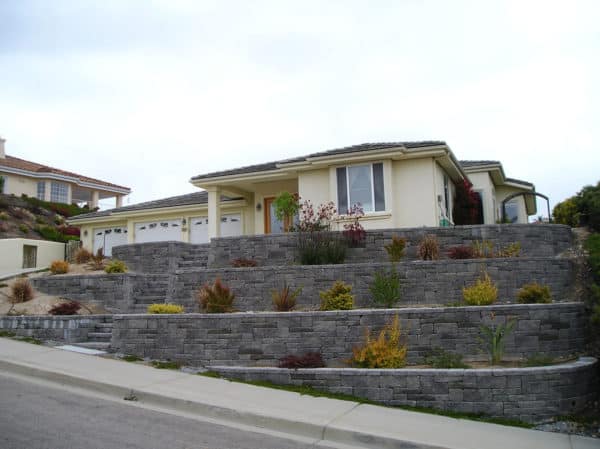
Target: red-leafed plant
<point x="65" y="308"/>
<point x="354" y="232"/>
<point x="461" y="252"/>
<point x="69" y="230"/>
<point x="216" y="298"/>
<point x="307" y="360"/>
<point x="466" y="204"/>
<point x="241" y="263"/>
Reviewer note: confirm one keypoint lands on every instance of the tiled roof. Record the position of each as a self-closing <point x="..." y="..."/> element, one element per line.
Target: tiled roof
<point x="519" y="181"/>
<point x="173" y="201"/>
<point x="467" y="164"/>
<point x="345" y="150"/>
<point x="22" y="164"/>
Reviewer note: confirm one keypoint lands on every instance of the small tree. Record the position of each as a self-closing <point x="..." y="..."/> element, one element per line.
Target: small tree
<point x="466" y="204"/>
<point x="286" y="207"/>
<point x="566" y="213"/>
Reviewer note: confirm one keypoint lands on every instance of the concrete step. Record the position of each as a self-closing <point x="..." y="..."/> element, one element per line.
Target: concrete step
<point x="100" y="336"/>
<point x="101" y="345"/>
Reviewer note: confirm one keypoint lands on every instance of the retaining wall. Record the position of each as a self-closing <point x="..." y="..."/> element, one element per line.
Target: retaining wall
<point x="422" y="282"/>
<point x="528" y="394"/>
<point x="263" y="338"/>
<point x="119" y="293"/>
<point x="67" y="329"/>
<point x="161" y="257"/>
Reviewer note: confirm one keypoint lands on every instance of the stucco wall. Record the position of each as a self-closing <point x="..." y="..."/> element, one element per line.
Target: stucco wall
<point x="263" y="338"/>
<point x="528" y="394"/>
<point x="18" y="185"/>
<point x="504" y="191"/>
<point x="413" y="183"/>
<point x="12" y="253"/>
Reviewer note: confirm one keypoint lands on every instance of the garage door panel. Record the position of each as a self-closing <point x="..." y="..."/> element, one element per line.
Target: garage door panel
<point x="107" y="238"/>
<point x="158" y="231"/>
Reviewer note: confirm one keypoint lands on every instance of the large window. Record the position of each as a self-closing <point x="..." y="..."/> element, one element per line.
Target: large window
<point x="512" y="211"/>
<point x="59" y="192"/>
<point x="360" y="184"/>
<point x="41" y="190"/>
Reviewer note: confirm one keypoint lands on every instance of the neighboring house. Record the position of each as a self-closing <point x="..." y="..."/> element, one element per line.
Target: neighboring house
<point x="28" y="255"/>
<point x="52" y="184"/>
<point x="399" y="184"/>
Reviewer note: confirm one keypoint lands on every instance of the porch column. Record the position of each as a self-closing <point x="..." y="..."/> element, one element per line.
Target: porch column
<point x="95" y="199"/>
<point x="214" y="212"/>
<point x="119" y="201"/>
<point x="130" y="232"/>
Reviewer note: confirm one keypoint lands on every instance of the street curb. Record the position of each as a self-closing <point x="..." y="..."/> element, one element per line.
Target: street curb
<point x="327" y="433"/>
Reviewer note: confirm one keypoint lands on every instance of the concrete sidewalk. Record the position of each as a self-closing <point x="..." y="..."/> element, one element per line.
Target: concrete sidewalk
<point x="320" y="419"/>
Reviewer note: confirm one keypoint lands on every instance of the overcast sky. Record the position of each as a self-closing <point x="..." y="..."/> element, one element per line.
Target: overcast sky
<point x="150" y="93"/>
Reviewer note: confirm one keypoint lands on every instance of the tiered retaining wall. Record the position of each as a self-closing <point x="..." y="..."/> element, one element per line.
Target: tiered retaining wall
<point x="67" y="329"/>
<point x="422" y="282"/>
<point x="162" y="257"/>
<point x="528" y="394"/>
<point x="262" y="338"/>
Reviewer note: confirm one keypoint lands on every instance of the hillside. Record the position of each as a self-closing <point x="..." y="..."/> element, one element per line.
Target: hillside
<point x="31" y="218"/>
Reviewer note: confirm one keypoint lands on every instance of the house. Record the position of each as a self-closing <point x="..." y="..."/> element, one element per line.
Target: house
<point x="21" y="177"/>
<point x="399" y="184"/>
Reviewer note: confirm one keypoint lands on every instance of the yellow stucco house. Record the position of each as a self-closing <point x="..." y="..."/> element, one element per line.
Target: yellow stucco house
<point x="21" y="177"/>
<point x="399" y="184"/>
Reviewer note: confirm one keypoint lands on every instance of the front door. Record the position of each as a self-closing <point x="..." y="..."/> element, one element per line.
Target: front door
<point x="272" y="224"/>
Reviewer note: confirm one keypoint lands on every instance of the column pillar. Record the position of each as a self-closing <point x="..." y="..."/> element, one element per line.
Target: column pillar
<point x="47" y="191"/>
<point x="130" y="232"/>
<point x="119" y="201"/>
<point x="214" y="212"/>
<point x="95" y="199"/>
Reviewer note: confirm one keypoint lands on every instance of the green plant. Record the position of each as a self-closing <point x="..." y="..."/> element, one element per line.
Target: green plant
<point x="131" y="358"/>
<point x="493" y="339"/>
<point x="539" y="360"/>
<point x="482" y="293"/>
<point x="566" y="213"/>
<point x="66" y="210"/>
<point x="7" y="334"/>
<point x="3" y="216"/>
<point x="51" y="233"/>
<point x="321" y="247"/>
<point x="21" y="291"/>
<point x="510" y="250"/>
<point x="59" y="267"/>
<point x="385" y="351"/>
<point x="217" y="298"/>
<point x="24" y="228"/>
<point x="115" y="266"/>
<point x="165" y="308"/>
<point x="82" y="256"/>
<point x="429" y="248"/>
<point x="385" y="289"/>
<point x="483" y="249"/>
<point x="396" y="248"/>
<point x="2" y="181"/>
<point x="337" y="297"/>
<point x="166" y="365"/>
<point x="445" y="360"/>
<point x="284" y="300"/>
<point x="97" y="260"/>
<point x="534" y="293"/>
<point x="588" y="206"/>
<point x="286" y="207"/>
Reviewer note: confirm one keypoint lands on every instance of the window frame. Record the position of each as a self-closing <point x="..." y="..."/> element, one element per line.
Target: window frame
<point x="41" y="184"/>
<point x="372" y="176"/>
<point x="59" y="186"/>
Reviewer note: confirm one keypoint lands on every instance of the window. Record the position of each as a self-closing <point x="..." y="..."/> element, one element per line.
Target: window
<point x="41" y="190"/>
<point x="360" y="184"/>
<point x="446" y="197"/>
<point x="512" y="211"/>
<point x="59" y="192"/>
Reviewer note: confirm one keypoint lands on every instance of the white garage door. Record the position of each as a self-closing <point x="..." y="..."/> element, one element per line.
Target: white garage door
<point x="107" y="238"/>
<point x="231" y="225"/>
<point x="158" y="231"/>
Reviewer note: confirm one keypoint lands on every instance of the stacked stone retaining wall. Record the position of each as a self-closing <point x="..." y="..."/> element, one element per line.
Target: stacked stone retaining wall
<point x="528" y="394"/>
<point x="161" y="257"/>
<point x="66" y="329"/>
<point x="557" y="330"/>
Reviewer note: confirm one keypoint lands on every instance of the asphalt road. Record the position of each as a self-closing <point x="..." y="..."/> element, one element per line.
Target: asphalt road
<point x="34" y="416"/>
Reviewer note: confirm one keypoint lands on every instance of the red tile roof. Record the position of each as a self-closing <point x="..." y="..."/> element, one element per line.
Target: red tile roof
<point x="21" y="164"/>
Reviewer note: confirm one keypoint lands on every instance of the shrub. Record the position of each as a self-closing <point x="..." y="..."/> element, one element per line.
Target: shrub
<point x="3" y="216"/>
<point x="24" y="228"/>
<point x="461" y="252"/>
<point x="483" y="249"/>
<point x="284" y="300"/>
<point x="66" y="210"/>
<point x="588" y="206"/>
<point x="534" y="293"/>
<point x="59" y="220"/>
<point x="165" y="308"/>
<point x="337" y="298"/>
<point x="217" y="298"/>
<point x="166" y="365"/>
<point x="494" y="339"/>
<point x="40" y="220"/>
<point x="446" y="360"/>
<point x="3" y="227"/>
<point x="65" y="308"/>
<point x="396" y="249"/>
<point x="566" y="213"/>
<point x="592" y="246"/>
<point x="51" y="233"/>
<point x="429" y="248"/>
<point x="539" y="360"/>
<point x="82" y="255"/>
<point x="482" y="293"/>
<point x="115" y="266"/>
<point x="59" y="267"/>
<point x="385" y="351"/>
<point x="70" y="230"/>
<point x="20" y="213"/>
<point x="97" y="261"/>
<point x="354" y="232"/>
<point x="308" y="360"/>
<point x="386" y="288"/>
<point x="466" y="204"/>
<point x="511" y="250"/>
<point x="321" y="247"/>
<point x="21" y="291"/>
<point x="241" y="262"/>
<point x="286" y="207"/>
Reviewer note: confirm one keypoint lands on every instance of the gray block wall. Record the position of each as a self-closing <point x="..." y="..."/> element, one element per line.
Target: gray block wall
<point x="66" y="329"/>
<point x="161" y="257"/>
<point x="528" y="394"/>
<point x="423" y="282"/>
<point x="263" y="338"/>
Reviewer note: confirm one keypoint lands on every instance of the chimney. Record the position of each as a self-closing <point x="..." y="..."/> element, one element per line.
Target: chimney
<point x="2" y="154"/>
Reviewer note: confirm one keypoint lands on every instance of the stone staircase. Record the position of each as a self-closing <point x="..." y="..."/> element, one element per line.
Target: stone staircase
<point x="99" y="338"/>
<point x="153" y="291"/>
<point x="193" y="257"/>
